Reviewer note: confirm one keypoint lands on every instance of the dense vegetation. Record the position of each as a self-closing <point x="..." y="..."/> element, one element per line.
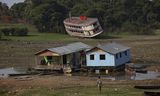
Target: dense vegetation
<point x="133" y="16"/>
<point x="14" y="31"/>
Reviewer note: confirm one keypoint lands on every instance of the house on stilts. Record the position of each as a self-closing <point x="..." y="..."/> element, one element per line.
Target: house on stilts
<point x="65" y="58"/>
<point x="79" y="55"/>
<point x="109" y="56"/>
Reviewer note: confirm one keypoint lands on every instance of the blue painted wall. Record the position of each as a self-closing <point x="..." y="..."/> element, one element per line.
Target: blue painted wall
<point x="97" y="62"/>
<point x="110" y="59"/>
<point x="123" y="59"/>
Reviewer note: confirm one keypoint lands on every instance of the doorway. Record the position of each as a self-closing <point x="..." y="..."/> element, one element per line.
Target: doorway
<point x="65" y="59"/>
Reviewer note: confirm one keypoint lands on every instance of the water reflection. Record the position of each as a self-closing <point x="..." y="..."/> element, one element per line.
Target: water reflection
<point x="149" y="75"/>
<point x="116" y="76"/>
<point x="136" y="76"/>
<point x="6" y="71"/>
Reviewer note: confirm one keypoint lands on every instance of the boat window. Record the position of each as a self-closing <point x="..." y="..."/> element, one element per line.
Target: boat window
<point x="92" y="57"/>
<point x="95" y="24"/>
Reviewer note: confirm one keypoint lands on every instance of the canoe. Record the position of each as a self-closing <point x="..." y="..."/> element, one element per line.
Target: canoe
<point x="147" y="86"/>
<point x="151" y="93"/>
<point x="141" y="71"/>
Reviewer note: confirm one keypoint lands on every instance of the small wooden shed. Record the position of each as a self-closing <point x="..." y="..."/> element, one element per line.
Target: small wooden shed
<point x="72" y="55"/>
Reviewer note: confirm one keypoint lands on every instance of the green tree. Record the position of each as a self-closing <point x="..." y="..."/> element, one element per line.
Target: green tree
<point x="18" y="10"/>
<point x="134" y="16"/>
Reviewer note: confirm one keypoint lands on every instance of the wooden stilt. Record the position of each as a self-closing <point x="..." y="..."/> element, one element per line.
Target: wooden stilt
<point x="36" y="61"/>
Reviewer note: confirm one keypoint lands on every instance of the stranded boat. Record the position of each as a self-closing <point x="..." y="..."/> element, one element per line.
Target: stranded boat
<point x="82" y="26"/>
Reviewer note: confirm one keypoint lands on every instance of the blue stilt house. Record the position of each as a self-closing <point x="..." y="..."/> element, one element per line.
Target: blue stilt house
<point x="109" y="55"/>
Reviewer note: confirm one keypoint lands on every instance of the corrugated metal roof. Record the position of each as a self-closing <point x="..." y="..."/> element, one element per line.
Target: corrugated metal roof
<point x="113" y="48"/>
<point x="69" y="48"/>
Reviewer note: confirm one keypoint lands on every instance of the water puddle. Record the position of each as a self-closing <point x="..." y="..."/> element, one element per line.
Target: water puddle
<point x="149" y="75"/>
<point x="6" y="71"/>
<point x="136" y="76"/>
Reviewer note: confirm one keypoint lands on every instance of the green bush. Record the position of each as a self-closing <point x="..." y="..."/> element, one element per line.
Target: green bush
<point x="0" y="34"/>
<point x="12" y="30"/>
<point x="6" y="31"/>
<point x="15" y="31"/>
<point x="20" y="32"/>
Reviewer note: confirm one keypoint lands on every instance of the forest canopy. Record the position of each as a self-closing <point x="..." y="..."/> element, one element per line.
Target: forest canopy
<point x="133" y="16"/>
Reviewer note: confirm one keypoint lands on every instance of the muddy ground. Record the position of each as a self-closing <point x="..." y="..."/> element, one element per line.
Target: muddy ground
<point x="144" y="50"/>
<point x="19" y="84"/>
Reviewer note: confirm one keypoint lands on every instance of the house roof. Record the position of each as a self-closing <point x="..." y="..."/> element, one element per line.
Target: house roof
<point x="67" y="49"/>
<point x="113" y="48"/>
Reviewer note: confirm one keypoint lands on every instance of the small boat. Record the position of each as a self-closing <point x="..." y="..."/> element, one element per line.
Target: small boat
<point x="141" y="71"/>
<point x="83" y="26"/>
<point x="135" y="66"/>
<point x="152" y="93"/>
<point x="147" y="86"/>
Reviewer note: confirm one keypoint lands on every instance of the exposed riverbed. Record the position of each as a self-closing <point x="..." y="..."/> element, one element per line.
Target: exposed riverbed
<point x="4" y="73"/>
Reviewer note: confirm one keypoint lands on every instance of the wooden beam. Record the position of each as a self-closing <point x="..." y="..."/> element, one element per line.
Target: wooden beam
<point x="36" y="60"/>
<point x="62" y="61"/>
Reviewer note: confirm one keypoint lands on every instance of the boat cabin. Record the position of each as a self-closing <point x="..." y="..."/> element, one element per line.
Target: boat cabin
<point x="83" y="26"/>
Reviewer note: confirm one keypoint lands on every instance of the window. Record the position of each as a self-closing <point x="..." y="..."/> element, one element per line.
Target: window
<point x="92" y="57"/>
<point x="125" y="52"/>
<point x="95" y="24"/>
<point x="116" y="56"/>
<point x="102" y="57"/>
<point x="120" y="55"/>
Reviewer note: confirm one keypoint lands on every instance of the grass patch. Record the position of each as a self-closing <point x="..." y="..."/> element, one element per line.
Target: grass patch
<point x="84" y="91"/>
<point x="157" y="32"/>
<point x="41" y="37"/>
<point x="34" y="35"/>
<point x="3" y="92"/>
<point x="19" y="25"/>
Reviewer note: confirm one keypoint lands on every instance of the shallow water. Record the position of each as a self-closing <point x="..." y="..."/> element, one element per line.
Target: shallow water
<point x="6" y="71"/>
<point x="149" y="75"/>
<point x="136" y="76"/>
<point x="123" y="75"/>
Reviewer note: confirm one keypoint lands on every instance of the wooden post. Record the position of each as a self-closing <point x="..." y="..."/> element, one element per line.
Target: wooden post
<point x="36" y="61"/>
<point x="62" y="61"/>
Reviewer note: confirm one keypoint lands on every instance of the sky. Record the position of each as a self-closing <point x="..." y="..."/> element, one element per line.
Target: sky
<point x="11" y="2"/>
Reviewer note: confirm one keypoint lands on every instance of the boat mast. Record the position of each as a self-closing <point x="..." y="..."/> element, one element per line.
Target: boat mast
<point x="70" y="16"/>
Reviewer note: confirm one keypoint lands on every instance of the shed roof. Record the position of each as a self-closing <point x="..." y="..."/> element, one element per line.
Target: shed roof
<point x="67" y="49"/>
<point x="112" y="48"/>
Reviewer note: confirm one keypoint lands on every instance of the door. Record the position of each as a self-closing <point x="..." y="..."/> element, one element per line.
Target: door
<point x="64" y="59"/>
